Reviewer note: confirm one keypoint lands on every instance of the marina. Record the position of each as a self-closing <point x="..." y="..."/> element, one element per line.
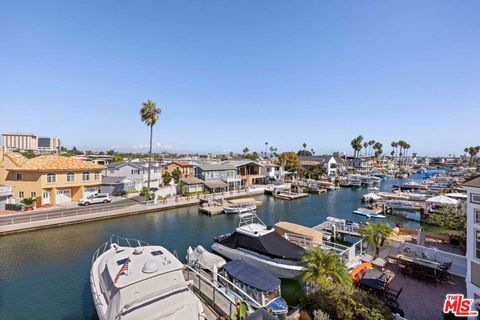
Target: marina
<point x="62" y="255"/>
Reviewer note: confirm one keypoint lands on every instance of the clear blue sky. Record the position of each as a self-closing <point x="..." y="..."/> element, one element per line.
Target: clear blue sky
<point x="230" y="74"/>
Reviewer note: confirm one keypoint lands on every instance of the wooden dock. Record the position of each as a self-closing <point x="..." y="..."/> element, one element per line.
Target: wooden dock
<point x="290" y="196"/>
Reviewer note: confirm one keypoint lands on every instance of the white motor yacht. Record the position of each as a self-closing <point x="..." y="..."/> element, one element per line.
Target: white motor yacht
<point x="262" y="247"/>
<point x="131" y="279"/>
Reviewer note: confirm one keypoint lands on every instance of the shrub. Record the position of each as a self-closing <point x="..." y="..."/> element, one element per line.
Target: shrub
<point x="346" y="303"/>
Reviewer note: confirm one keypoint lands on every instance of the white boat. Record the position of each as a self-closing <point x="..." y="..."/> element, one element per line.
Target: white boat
<point x="200" y="256"/>
<point x="131" y="279"/>
<point x="237" y="206"/>
<point x="262" y="247"/>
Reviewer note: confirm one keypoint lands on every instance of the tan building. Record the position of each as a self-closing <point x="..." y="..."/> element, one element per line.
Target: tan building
<point x="28" y="141"/>
<point x="185" y="168"/>
<point x="49" y="179"/>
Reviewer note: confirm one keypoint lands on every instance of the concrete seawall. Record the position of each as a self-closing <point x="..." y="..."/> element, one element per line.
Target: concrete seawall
<point x="127" y="211"/>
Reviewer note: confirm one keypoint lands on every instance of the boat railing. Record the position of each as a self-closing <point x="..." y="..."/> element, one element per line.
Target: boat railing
<point x="120" y="241"/>
<point x="209" y="288"/>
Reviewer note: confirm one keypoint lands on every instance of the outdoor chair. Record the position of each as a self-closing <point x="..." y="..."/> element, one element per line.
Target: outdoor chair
<point x="391" y="295"/>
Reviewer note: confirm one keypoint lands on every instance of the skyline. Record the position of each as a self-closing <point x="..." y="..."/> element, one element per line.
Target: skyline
<point x="235" y="75"/>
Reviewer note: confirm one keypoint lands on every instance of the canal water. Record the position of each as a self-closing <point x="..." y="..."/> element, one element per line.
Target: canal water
<point x="45" y="274"/>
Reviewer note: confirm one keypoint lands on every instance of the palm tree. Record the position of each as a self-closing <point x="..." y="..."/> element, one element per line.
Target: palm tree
<point x="304" y="146"/>
<point x="394" y="148"/>
<point x="266" y="148"/>
<point x="271" y="150"/>
<point x="245" y="150"/>
<point x="365" y="145"/>
<point x="370" y="144"/>
<point x="312" y="151"/>
<point x="324" y="268"/>
<point x="149" y="114"/>
<point x="375" y="234"/>
<point x="378" y="149"/>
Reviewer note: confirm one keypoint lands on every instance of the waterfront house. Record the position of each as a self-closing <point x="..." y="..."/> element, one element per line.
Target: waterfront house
<point x="117" y="185"/>
<point x="185" y="167"/>
<point x="272" y="172"/>
<point x="330" y="162"/>
<point x="218" y="176"/>
<point x="191" y="185"/>
<point x="473" y="238"/>
<point x="361" y="164"/>
<point x="49" y="179"/>
<point x="137" y="171"/>
<point x="250" y="171"/>
<point x="5" y="193"/>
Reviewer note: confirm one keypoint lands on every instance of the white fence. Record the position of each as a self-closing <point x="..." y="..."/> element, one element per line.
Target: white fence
<point x="459" y="263"/>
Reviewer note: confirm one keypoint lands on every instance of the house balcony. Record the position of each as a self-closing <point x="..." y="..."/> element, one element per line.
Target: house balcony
<point x="5" y="191"/>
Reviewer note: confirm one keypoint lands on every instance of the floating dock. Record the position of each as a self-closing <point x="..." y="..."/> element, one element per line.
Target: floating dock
<point x="289" y="196"/>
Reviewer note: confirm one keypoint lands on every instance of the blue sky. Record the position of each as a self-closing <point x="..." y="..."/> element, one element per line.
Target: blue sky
<point x="230" y="74"/>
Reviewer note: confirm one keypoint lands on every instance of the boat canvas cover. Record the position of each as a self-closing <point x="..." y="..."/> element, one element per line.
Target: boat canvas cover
<point x="313" y="235"/>
<point x="271" y="244"/>
<point x="207" y="259"/>
<point x="251" y="276"/>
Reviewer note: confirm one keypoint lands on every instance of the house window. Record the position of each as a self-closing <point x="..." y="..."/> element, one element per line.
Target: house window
<point x="475" y="198"/>
<point x="33" y="194"/>
<point x="51" y="178"/>
<point x="86" y="176"/>
<point x="476" y="213"/>
<point x="96" y="176"/>
<point x="70" y="177"/>
<point x="20" y="194"/>
<point x="19" y="176"/>
<point x="477" y="244"/>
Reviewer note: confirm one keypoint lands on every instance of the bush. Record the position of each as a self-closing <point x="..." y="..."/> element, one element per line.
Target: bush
<point x="346" y="303"/>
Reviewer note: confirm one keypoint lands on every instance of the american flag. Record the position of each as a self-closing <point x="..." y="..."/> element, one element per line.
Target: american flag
<point x="123" y="270"/>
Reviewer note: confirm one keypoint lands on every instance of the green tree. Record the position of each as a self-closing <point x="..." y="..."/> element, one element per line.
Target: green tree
<point x="290" y="161"/>
<point x="304" y="146"/>
<point x="304" y="153"/>
<point x="176" y="175"/>
<point x="266" y="148"/>
<point x="149" y="114"/>
<point x="166" y="178"/>
<point x="375" y="234"/>
<point x="324" y="268"/>
<point x="378" y="147"/>
<point x="245" y="150"/>
<point x="453" y="218"/>
<point x="317" y="171"/>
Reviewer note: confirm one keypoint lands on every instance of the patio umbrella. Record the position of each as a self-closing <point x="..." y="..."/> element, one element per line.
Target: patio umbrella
<point x="442" y="200"/>
<point x="421" y="237"/>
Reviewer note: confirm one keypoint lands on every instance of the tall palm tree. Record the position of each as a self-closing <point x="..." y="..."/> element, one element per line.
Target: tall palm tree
<point x="371" y="143"/>
<point x="312" y="151"/>
<point x="149" y="114"/>
<point x="324" y="268"/>
<point x="266" y="148"/>
<point x="365" y="145"/>
<point x="376" y="234"/>
<point x="304" y="146"/>
<point x="394" y="148"/>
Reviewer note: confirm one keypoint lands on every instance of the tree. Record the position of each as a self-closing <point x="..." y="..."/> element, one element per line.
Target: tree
<point x="378" y="149"/>
<point x="166" y="178"/>
<point x="453" y="218"/>
<point x="342" y="302"/>
<point x="111" y="152"/>
<point x="317" y="171"/>
<point x="375" y="234"/>
<point x="266" y="148"/>
<point x="371" y="143"/>
<point x="290" y="161"/>
<point x="324" y="268"/>
<point x="176" y="175"/>
<point x="245" y="150"/>
<point x="312" y="151"/>
<point x="394" y="148"/>
<point x="149" y="114"/>
<point x="304" y="153"/>
<point x="272" y="149"/>
<point x="357" y="145"/>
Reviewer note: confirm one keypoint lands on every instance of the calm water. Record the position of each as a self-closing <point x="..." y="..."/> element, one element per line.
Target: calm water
<point x="45" y="274"/>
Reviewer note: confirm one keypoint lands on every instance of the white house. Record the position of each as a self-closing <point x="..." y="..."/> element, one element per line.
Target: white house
<point x="473" y="238"/>
<point x="272" y="171"/>
<point x="137" y="171"/>
<point x="330" y="162"/>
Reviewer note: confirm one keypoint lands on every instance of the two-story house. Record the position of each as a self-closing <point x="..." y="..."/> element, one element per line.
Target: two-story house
<point x="250" y="171"/>
<point x="185" y="167"/>
<point x="137" y="171"/>
<point x="218" y="176"/>
<point x="272" y="172"/>
<point x="473" y="238"/>
<point x="49" y="179"/>
<point x="328" y="161"/>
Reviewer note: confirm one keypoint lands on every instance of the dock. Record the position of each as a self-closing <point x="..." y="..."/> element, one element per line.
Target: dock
<point x="340" y="226"/>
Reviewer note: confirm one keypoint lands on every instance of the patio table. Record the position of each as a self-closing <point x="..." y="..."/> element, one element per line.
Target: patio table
<point x="374" y="279"/>
<point x="420" y="261"/>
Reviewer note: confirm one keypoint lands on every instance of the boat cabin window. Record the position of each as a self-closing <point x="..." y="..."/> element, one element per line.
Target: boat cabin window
<point x="156" y="253"/>
<point x="122" y="262"/>
<point x="107" y="284"/>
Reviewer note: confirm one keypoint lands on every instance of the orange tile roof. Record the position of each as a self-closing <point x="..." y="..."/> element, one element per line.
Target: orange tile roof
<point x="183" y="163"/>
<point x="56" y="163"/>
<point x="17" y="158"/>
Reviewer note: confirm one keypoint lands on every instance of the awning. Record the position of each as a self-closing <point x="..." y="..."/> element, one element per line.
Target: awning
<point x="214" y="184"/>
<point x="251" y="276"/>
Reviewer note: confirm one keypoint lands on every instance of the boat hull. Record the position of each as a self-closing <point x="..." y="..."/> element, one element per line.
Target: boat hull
<point x="278" y="269"/>
<point x="233" y="210"/>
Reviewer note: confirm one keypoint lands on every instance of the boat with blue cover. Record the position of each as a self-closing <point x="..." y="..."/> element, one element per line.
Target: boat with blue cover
<point x="369" y="213"/>
<point x="261" y="285"/>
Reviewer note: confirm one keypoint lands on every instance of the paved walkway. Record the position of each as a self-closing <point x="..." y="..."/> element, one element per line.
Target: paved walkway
<point x="32" y="220"/>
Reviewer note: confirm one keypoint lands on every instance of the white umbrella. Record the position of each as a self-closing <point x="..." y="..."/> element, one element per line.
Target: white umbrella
<point x="442" y="200"/>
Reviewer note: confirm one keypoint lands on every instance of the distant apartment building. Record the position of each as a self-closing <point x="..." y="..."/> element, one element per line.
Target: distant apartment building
<point x="30" y="142"/>
<point x="473" y="238"/>
<point x="50" y="179"/>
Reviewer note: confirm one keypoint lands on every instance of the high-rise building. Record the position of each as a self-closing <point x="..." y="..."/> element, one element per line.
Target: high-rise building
<point x="28" y="141"/>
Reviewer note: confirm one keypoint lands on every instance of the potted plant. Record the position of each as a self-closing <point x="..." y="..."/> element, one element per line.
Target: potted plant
<point x="28" y="203"/>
